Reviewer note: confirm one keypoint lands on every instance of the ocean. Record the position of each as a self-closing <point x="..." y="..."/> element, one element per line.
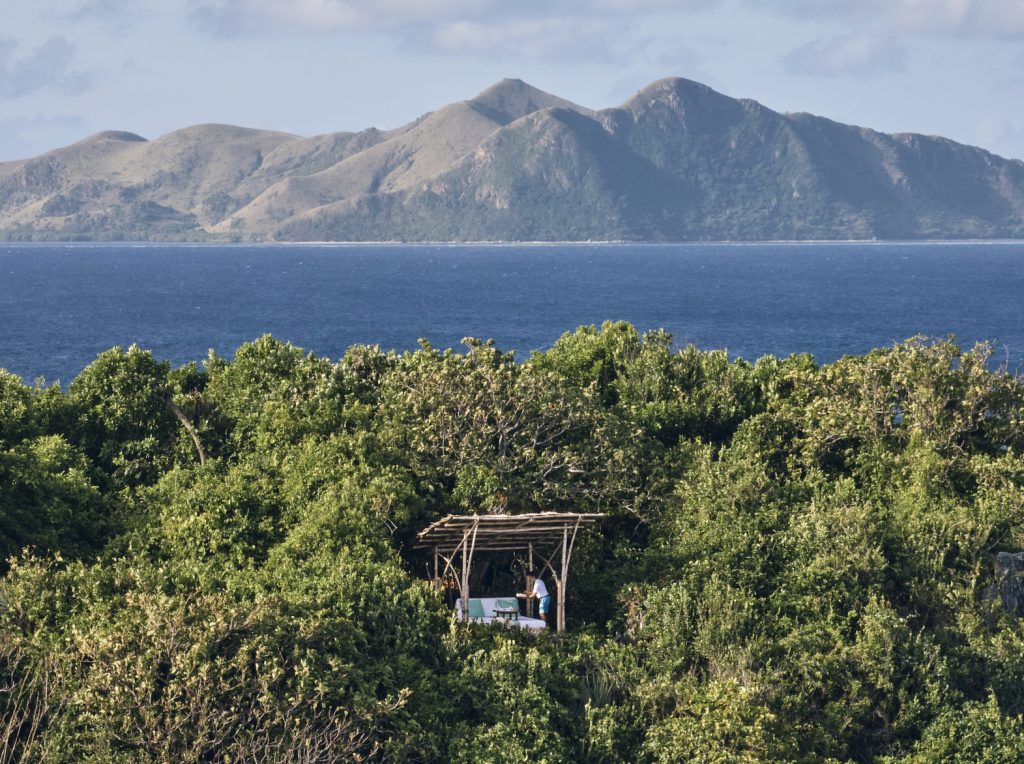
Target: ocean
<point x="62" y="304"/>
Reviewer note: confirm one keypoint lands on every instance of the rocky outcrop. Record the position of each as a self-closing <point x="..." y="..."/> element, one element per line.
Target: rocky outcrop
<point x="1009" y="585"/>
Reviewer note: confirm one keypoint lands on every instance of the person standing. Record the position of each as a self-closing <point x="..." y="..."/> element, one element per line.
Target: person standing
<point x="540" y="591"/>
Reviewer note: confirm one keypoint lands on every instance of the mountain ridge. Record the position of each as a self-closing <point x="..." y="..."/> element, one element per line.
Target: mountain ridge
<point x="677" y="161"/>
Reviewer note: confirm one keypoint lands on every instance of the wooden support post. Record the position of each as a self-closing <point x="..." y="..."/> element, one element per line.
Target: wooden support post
<point x="449" y="567"/>
<point x="562" y="582"/>
<point x="529" y="568"/>
<point x="567" y="544"/>
<point x="449" y="563"/>
<point x="468" y="545"/>
<point x="464" y="579"/>
<point x="549" y="566"/>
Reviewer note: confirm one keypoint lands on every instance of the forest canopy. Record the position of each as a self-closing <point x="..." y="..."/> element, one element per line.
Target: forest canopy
<point x="797" y="561"/>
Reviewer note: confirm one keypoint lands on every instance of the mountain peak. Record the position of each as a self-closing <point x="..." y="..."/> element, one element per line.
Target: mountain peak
<point x="115" y="135"/>
<point x="672" y="90"/>
<point x="511" y="99"/>
<point x="677" y="84"/>
<point x="678" y="161"/>
<point x="510" y="87"/>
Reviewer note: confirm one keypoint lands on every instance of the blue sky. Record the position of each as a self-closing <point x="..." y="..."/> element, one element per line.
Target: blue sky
<point x="70" y="68"/>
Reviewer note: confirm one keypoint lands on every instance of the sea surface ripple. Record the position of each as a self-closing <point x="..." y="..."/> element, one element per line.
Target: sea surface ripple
<point x="62" y="304"/>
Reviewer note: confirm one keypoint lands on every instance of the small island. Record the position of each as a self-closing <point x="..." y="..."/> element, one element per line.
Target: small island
<point x="676" y="162"/>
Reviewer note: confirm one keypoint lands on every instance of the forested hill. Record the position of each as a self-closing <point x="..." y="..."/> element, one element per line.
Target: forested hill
<point x="796" y="564"/>
<point x="676" y="162"/>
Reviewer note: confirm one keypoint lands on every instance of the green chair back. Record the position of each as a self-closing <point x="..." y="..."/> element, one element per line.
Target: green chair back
<point x="476" y="609"/>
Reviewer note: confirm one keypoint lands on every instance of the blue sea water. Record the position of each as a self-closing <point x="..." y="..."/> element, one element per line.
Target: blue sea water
<point x="62" y="304"/>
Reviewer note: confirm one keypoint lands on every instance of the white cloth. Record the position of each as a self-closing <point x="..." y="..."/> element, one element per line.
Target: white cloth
<point x="539" y="588"/>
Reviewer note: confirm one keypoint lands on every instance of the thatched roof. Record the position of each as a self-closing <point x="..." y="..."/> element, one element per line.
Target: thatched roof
<point x="502" y="533"/>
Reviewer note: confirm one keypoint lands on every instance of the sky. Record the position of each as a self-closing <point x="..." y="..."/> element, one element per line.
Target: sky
<point x="71" y="68"/>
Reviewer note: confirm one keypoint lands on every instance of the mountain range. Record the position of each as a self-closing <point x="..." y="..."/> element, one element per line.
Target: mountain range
<point x="676" y="162"/>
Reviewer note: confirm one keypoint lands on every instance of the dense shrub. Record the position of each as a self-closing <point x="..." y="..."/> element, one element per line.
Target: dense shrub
<point x="796" y="562"/>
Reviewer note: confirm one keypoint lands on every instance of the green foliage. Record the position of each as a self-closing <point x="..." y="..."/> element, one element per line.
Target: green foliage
<point x="978" y="733"/>
<point x="16" y="415"/>
<point x="289" y="669"/>
<point x="48" y="500"/>
<point x="796" y="561"/>
<point x="498" y="434"/>
<point x="516" y="701"/>
<point x="672" y="395"/>
<point x="721" y="722"/>
<point x="272" y="394"/>
<point x="117" y="414"/>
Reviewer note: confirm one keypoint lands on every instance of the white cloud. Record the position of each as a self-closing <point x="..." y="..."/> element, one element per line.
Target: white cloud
<point x="48" y="66"/>
<point x="823" y="8"/>
<point x="544" y="39"/>
<point x="335" y="15"/>
<point x="640" y="6"/>
<point x="996" y="18"/>
<point x="859" y="54"/>
<point x="86" y="9"/>
<point x="240" y="16"/>
<point x="444" y="20"/>
<point x="989" y="17"/>
<point x="528" y="30"/>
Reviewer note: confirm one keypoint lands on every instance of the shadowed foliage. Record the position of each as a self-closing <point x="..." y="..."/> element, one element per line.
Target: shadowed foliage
<point x="796" y="561"/>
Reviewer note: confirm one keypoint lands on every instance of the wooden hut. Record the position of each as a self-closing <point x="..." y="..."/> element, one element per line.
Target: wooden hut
<point x="546" y="538"/>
